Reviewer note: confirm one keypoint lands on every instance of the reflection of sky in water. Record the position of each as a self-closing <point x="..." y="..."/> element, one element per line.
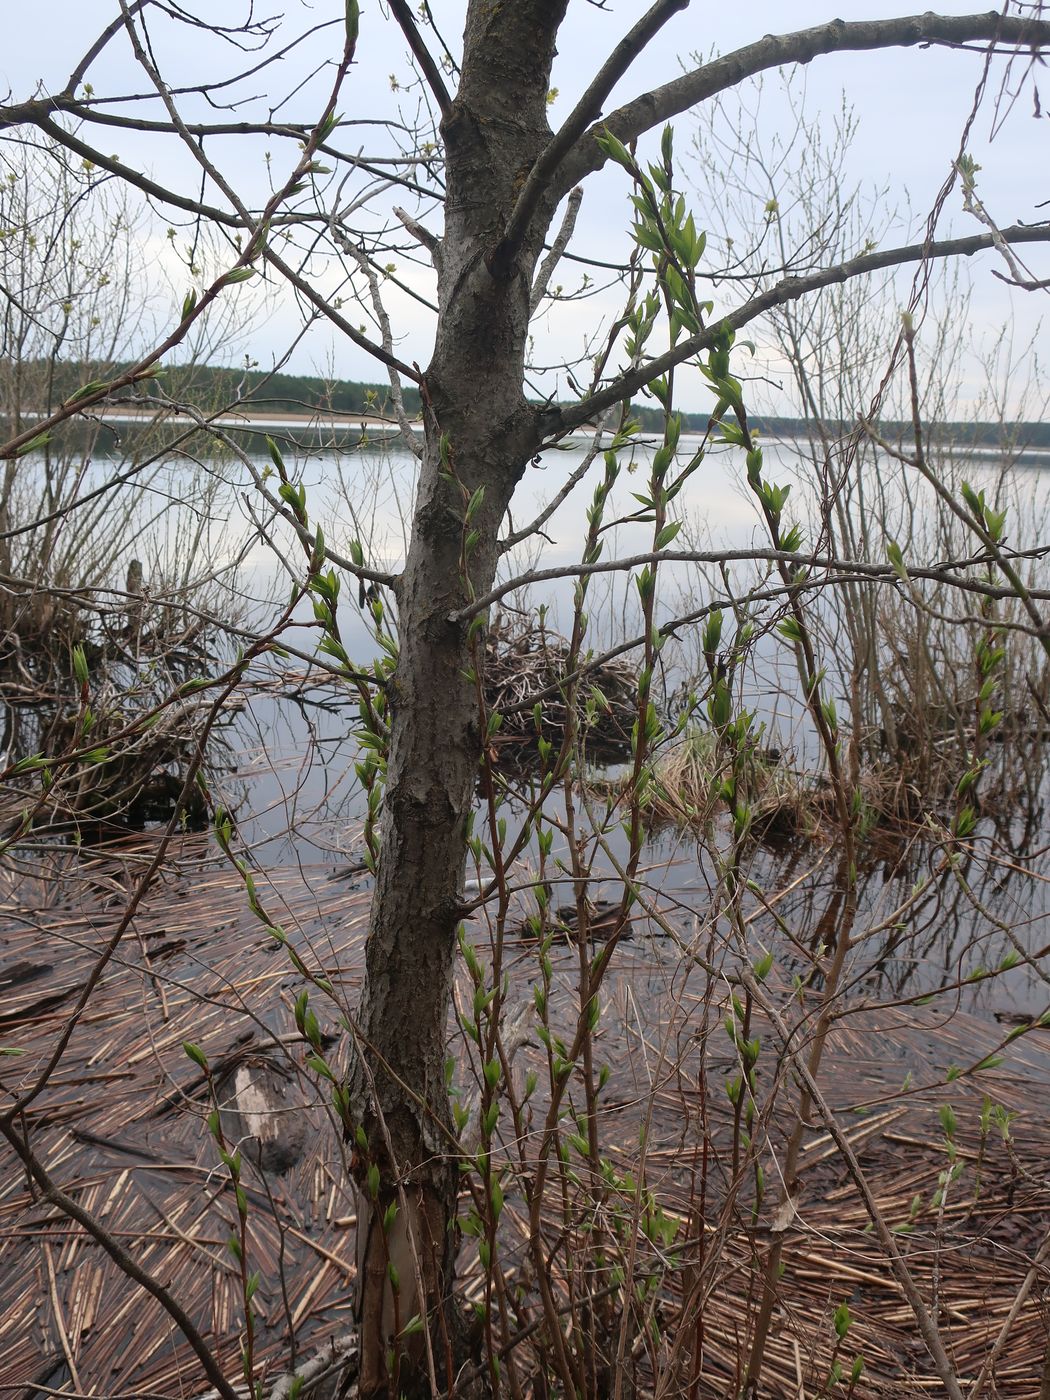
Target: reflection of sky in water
<point x="372" y="486"/>
<point x="292" y="748"/>
<point x="367" y="493"/>
<point x="295" y="769"/>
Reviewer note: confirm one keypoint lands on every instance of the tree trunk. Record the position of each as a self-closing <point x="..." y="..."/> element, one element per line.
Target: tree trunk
<point x="480" y="430"/>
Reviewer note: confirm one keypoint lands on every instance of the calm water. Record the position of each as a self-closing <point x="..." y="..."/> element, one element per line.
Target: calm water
<point x="301" y="747"/>
<point x="285" y="764"/>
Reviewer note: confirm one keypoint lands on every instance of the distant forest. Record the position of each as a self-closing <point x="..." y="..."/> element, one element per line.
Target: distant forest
<point x="211" y="386"/>
<point x="294" y="393"/>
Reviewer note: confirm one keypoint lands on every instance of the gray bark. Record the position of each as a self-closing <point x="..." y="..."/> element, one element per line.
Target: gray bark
<point x="473" y="392"/>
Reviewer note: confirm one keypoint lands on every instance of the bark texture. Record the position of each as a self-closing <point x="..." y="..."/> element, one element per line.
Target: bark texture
<point x="480" y="429"/>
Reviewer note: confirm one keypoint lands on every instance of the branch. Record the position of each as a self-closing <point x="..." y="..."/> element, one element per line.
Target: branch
<point x="571" y="482"/>
<point x="1006" y="1331"/>
<point x="120" y="1256"/>
<point x="111" y="30"/>
<point x="551" y="261"/>
<point x="776" y="50"/>
<point x="854" y="569"/>
<point x="926" y="1323"/>
<point x="145" y="369"/>
<point x="1019" y="275"/>
<point x="228" y="682"/>
<point x="408" y="432"/>
<point x="306" y="537"/>
<point x="14" y="116"/>
<point x="422" y="54"/>
<point x="257" y="227"/>
<point x="207" y="90"/>
<point x="40" y="114"/>
<point x="555" y="422"/>
<point x="321" y="304"/>
<point x="90" y="111"/>
<point x="333" y="1356"/>
<point x="422" y="235"/>
<point x="586" y="110"/>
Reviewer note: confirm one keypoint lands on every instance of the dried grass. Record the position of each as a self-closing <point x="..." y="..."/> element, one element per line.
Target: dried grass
<point x="120" y="1126"/>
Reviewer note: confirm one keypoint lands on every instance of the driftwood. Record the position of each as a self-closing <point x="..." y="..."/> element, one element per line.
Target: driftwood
<point x="264" y="1110"/>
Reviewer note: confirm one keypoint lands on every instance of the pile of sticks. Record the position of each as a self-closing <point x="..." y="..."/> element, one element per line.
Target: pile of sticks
<point x="526" y="664"/>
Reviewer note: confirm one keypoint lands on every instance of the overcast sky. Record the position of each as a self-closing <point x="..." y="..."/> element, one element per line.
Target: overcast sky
<point x="910" y="105"/>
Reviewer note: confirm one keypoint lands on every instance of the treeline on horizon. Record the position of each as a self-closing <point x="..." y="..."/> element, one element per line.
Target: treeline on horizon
<point x="211" y="386"/>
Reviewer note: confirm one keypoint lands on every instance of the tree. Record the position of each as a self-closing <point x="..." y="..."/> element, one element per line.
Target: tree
<point x="498" y="175"/>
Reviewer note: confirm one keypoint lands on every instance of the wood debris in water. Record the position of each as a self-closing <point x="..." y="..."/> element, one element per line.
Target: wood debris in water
<point x="526" y="664"/>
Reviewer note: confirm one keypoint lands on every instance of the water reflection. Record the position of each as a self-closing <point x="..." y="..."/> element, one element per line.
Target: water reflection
<point x="287" y="775"/>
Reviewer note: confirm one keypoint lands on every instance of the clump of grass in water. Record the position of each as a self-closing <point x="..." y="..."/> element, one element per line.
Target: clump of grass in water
<point x="685" y="790"/>
<point x="785" y="802"/>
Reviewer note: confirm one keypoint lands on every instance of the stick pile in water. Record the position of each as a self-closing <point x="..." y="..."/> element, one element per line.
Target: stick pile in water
<point x="527" y="664"/>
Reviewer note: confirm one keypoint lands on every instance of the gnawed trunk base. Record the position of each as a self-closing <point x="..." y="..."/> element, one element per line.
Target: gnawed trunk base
<point x="403" y="1244"/>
